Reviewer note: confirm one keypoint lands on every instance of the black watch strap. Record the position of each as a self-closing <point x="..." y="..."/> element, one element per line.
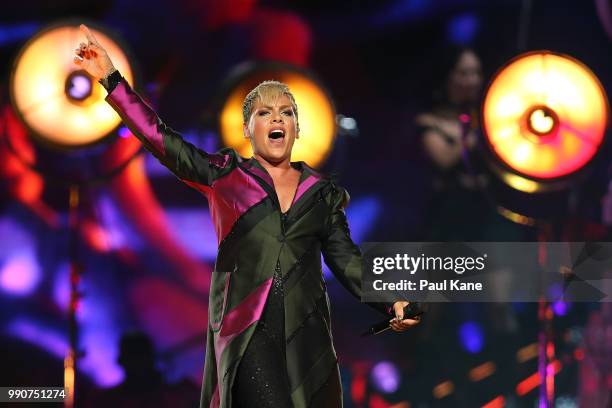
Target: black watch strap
<point x="111" y="81"/>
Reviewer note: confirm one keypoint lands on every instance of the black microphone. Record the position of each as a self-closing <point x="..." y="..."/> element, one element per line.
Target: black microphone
<point x="412" y="310"/>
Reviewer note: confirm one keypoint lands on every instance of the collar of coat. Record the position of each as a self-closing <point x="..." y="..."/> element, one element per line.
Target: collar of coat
<point x="310" y="182"/>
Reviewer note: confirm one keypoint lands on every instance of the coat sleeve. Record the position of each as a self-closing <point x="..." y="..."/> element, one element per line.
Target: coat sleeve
<point x="341" y="254"/>
<point x="182" y="158"/>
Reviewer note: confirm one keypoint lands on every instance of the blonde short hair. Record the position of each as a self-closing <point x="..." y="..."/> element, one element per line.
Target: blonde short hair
<point x="266" y="91"/>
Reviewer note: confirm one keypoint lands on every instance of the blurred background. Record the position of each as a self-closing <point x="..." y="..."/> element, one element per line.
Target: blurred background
<point x="104" y="249"/>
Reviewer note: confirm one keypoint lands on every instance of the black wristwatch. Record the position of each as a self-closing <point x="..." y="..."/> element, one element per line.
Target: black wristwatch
<point x="110" y="81"/>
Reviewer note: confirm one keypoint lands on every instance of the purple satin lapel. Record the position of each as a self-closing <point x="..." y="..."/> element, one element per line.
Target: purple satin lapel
<point x="137" y="114"/>
<point x="231" y="196"/>
<point x="262" y="174"/>
<point x="304" y="186"/>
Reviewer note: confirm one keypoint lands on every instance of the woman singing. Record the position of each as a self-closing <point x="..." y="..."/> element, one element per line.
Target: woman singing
<point x="269" y="342"/>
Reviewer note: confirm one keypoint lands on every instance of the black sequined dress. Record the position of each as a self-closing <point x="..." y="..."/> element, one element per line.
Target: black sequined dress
<point x="262" y="380"/>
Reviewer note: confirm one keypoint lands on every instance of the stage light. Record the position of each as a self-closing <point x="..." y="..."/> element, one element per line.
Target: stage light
<point x="482" y="371"/>
<point x="63" y="109"/>
<point x="471" y="336"/>
<point x="497" y="402"/>
<point x="385" y="377"/>
<point x="62" y="105"/>
<point x="34" y="332"/>
<point x="527" y="353"/>
<point x="20" y="274"/>
<point x="462" y="29"/>
<point x="529" y="383"/>
<point x="316" y="112"/>
<point x="347" y="124"/>
<point x="443" y="389"/>
<point x="544" y="117"/>
<point x="560" y="307"/>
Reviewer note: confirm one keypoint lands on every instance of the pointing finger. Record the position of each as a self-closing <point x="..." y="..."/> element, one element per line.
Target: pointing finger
<point x="88" y="34"/>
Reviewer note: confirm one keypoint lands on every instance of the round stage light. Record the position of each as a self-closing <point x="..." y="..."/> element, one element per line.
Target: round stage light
<point x="62" y="105"/>
<point x="316" y="111"/>
<point x="544" y="117"/>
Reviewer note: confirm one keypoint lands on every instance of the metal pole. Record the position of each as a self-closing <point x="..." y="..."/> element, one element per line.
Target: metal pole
<point x="70" y="362"/>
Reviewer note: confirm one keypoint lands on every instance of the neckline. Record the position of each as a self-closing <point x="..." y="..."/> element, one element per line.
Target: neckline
<point x="306" y="174"/>
<point x="297" y="165"/>
<point x="295" y="193"/>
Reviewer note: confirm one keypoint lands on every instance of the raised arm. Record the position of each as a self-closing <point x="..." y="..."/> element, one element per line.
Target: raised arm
<point x="343" y="257"/>
<point x="185" y="160"/>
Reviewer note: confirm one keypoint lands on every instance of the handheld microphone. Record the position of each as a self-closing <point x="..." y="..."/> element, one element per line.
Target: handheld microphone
<point x="412" y="310"/>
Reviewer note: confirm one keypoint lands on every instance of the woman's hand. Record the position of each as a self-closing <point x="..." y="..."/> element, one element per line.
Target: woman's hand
<point x="92" y="57"/>
<point x="399" y="324"/>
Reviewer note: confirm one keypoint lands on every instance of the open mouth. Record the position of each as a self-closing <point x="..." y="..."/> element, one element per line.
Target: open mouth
<point x="277" y="136"/>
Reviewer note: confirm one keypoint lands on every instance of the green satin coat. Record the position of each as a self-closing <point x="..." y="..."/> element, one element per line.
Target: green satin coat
<point x="246" y="214"/>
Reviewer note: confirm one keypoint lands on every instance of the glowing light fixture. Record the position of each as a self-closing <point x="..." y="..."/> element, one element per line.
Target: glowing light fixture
<point x="471" y="336"/>
<point x="544" y="118"/>
<point x="316" y="112"/>
<point x="61" y="104"/>
<point x="386" y="377"/>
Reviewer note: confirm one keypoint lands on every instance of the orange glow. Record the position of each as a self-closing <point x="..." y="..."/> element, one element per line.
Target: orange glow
<point x="544" y="116"/>
<point x="527" y="353"/>
<point x="443" y="389"/>
<point x="23" y="183"/>
<point x="316" y="114"/>
<point x="550" y="349"/>
<point x="528" y="384"/>
<point x="69" y="379"/>
<point x="482" y="371"/>
<point x="498" y="402"/>
<point x="550" y="387"/>
<point x="358" y="385"/>
<point x="520" y="183"/>
<point x="579" y="354"/>
<point x="515" y="217"/>
<point x="533" y="380"/>
<point x="95" y="235"/>
<point x="38" y="89"/>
